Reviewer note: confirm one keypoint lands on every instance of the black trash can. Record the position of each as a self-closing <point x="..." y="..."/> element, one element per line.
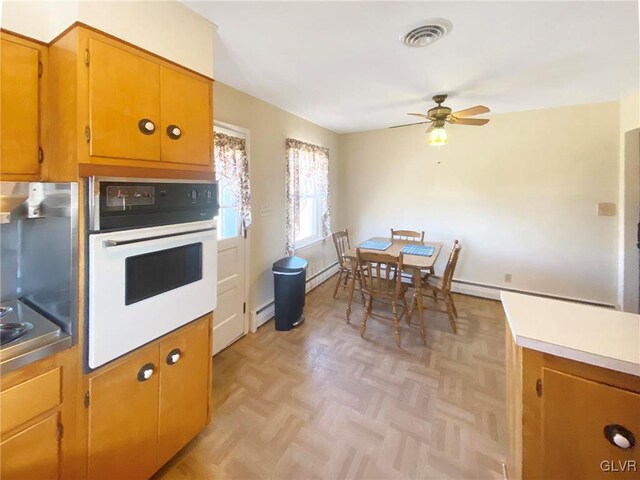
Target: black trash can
<point x="289" y="278"/>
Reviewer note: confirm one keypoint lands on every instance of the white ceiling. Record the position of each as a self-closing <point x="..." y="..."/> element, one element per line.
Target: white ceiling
<point x="341" y="65"/>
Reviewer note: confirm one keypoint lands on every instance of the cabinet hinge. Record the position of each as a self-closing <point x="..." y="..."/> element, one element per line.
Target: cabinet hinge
<point x="539" y="387"/>
<point x="87" y="57"/>
<point x="244" y="307"/>
<point x="87" y="134"/>
<point x="40" y="155"/>
<point x="60" y="431"/>
<point x="87" y="399"/>
<point x="40" y="69"/>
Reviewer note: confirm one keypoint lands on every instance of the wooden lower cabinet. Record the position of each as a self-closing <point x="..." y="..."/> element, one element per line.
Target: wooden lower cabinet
<point x="123" y="419"/>
<point x="563" y="416"/>
<point x="184" y="389"/>
<point x="34" y="453"/>
<point x="575" y="415"/>
<point x="38" y="422"/>
<point x="147" y="406"/>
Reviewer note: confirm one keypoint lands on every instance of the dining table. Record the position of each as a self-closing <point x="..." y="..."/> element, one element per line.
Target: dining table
<point x="415" y="264"/>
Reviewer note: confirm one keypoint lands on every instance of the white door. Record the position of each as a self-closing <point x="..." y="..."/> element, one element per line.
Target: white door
<point x="229" y="319"/>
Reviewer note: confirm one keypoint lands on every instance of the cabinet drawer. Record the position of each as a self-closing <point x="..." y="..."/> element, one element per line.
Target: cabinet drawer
<point x="29" y="399"/>
<point x="32" y="453"/>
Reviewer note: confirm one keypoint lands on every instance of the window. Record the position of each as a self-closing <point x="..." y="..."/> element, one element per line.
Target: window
<point x="232" y="174"/>
<point x="308" y="213"/>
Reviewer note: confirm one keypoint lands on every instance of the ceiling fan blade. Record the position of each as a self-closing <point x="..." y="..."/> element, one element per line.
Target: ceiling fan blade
<point x="478" y="122"/>
<point x="431" y="127"/>
<point x="419" y="115"/>
<point x="470" y="112"/>
<point x="409" y="124"/>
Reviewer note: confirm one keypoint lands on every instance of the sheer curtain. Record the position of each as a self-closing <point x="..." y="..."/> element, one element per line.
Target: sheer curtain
<point x="231" y="162"/>
<point x="307" y="173"/>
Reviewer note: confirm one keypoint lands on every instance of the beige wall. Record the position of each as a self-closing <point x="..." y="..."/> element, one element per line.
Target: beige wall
<point x="269" y="127"/>
<point x="520" y="193"/>
<point x="166" y="28"/>
<point x="628" y="281"/>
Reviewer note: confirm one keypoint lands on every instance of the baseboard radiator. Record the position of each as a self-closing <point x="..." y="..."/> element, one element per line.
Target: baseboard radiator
<point x="267" y="311"/>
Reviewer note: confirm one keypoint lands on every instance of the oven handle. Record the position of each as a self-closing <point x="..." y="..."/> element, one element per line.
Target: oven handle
<point x="117" y="243"/>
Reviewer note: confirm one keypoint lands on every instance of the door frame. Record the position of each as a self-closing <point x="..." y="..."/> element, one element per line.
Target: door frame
<point x="234" y="129"/>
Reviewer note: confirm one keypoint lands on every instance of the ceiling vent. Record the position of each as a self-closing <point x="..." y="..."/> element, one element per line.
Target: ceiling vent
<point x="427" y="33"/>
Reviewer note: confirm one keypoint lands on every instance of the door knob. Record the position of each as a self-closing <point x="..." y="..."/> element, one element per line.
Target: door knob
<point x="619" y="436"/>
<point x="174" y="132"/>
<point x="173" y="356"/>
<point x="146" y="126"/>
<point x="146" y="372"/>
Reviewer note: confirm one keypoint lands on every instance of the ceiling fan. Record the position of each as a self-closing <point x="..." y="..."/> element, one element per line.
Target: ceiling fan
<point x="440" y="114"/>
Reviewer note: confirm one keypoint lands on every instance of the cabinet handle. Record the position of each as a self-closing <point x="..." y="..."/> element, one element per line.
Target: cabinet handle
<point x="174" y="356"/>
<point x="146" y="372"/>
<point x="174" y="132"/>
<point x="619" y="436"/>
<point x="146" y="126"/>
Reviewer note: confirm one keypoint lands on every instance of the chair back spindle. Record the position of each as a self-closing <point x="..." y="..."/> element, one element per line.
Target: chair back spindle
<point x="378" y="273"/>
<point x="407" y="235"/>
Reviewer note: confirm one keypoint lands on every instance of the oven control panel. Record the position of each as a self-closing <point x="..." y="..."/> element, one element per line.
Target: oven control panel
<point x="121" y="204"/>
<point x="121" y="195"/>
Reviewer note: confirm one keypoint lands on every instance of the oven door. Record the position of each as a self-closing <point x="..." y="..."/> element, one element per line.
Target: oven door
<point x="147" y="282"/>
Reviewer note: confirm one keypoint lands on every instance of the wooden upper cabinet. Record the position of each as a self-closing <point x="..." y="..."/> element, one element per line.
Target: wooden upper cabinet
<point x="23" y="64"/>
<point x="186" y="118"/>
<point x="123" y="419"/>
<point x="124" y="104"/>
<point x="184" y="388"/>
<point x="111" y="104"/>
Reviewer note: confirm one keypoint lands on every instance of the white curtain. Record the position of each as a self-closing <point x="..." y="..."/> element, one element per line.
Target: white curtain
<point x="231" y="162"/>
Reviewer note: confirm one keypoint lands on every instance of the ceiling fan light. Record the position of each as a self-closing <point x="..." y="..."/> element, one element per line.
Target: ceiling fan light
<point x="438" y="137"/>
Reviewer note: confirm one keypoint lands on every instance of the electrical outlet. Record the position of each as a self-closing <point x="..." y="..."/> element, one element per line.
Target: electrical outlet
<point x="507" y="278"/>
<point x="265" y="210"/>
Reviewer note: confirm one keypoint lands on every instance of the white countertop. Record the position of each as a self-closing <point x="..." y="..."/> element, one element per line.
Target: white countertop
<point x="593" y="335"/>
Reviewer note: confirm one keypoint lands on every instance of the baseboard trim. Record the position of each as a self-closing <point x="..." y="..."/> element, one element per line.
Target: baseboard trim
<point x="493" y="292"/>
<point x="266" y="312"/>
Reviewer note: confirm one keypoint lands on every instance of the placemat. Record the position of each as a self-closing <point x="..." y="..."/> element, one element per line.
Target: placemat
<point x="375" y="245"/>
<point x="422" y="250"/>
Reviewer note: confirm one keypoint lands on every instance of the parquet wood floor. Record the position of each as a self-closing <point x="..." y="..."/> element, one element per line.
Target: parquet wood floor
<point x="321" y="402"/>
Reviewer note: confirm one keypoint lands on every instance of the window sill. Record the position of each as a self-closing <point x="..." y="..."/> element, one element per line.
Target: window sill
<point x="311" y="244"/>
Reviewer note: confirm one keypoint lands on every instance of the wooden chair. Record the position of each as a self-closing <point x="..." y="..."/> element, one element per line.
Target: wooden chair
<point x="407" y="235"/>
<point x="342" y="244"/>
<point x="379" y="283"/>
<point x="441" y="286"/>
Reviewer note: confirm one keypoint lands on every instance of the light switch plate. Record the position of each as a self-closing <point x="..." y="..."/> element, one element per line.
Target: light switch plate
<point x="606" y="209"/>
<point x="265" y="210"/>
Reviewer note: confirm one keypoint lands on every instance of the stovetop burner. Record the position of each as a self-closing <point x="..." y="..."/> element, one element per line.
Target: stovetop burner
<point x="12" y="331"/>
<point x="5" y="311"/>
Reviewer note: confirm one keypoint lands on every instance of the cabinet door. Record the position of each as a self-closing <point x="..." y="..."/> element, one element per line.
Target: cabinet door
<point x="186" y="105"/>
<point x="123" y="419"/>
<point x="20" y="103"/>
<point x="575" y="413"/>
<point x="124" y="104"/>
<point x="184" y="388"/>
<point x="32" y="453"/>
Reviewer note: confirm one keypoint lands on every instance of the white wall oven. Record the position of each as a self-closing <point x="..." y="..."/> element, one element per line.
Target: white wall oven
<point x="152" y="261"/>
